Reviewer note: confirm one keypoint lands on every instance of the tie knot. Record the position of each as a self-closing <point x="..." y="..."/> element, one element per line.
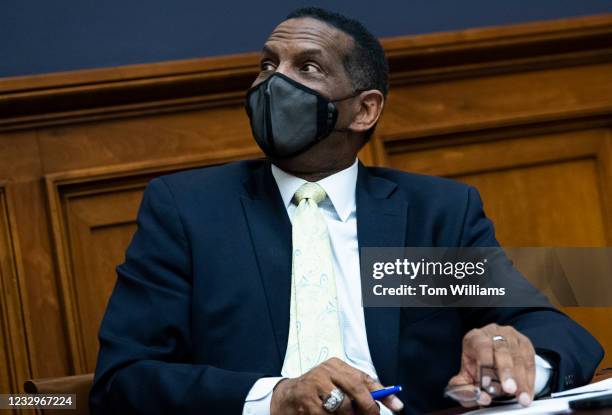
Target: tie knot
<point x="311" y="191"/>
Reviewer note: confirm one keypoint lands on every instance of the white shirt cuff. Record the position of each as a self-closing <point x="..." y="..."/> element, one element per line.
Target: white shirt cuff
<point x="542" y="376"/>
<point x="259" y="397"/>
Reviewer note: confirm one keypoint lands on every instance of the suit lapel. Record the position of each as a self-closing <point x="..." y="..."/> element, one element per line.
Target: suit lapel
<point x="270" y="230"/>
<point x="381" y="222"/>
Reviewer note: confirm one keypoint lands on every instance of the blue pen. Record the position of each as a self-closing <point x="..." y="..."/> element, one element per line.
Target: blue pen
<point x="384" y="392"/>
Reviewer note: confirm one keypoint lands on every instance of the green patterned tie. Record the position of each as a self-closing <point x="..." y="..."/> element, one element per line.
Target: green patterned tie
<point x="314" y="328"/>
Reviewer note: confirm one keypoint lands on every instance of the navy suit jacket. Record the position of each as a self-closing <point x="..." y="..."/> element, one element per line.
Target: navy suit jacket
<point x="200" y="310"/>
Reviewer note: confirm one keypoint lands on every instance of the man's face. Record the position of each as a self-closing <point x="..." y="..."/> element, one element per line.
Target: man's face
<point x="310" y="52"/>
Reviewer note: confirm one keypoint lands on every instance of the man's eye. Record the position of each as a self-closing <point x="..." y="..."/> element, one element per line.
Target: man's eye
<point x="267" y="66"/>
<point x="310" y="67"/>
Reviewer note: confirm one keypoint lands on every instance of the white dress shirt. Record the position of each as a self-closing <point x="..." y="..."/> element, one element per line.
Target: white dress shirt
<point x="339" y="210"/>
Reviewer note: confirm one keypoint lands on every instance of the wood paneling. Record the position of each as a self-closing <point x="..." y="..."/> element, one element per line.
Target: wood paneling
<point x="551" y="189"/>
<point x="14" y="360"/>
<point x="522" y="112"/>
<point x="93" y="216"/>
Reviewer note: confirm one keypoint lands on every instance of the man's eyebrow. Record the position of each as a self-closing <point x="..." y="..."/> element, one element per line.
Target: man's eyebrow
<point x="310" y="52"/>
<point x="267" y="50"/>
<point x="306" y="53"/>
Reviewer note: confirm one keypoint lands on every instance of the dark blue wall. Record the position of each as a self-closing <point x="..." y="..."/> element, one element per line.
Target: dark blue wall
<point x="57" y="35"/>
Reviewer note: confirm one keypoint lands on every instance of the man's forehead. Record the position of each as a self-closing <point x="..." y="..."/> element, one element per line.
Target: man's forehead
<point x="309" y="33"/>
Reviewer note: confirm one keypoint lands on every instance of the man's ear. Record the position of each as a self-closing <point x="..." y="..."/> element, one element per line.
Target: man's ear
<point x="370" y="108"/>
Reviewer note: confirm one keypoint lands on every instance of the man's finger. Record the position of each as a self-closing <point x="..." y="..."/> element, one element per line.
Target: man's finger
<point x="346" y="408"/>
<point x="484" y="399"/>
<point x="357" y="385"/>
<point x="504" y="364"/>
<point x="522" y="393"/>
<point x="324" y="392"/>
<point x="527" y="359"/>
<point x="462" y="378"/>
<point x="529" y="353"/>
<point x="531" y="371"/>
<point x="393" y="403"/>
<point x="478" y="349"/>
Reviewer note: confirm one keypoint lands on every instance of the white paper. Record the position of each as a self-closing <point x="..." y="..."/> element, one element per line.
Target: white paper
<point x="592" y="387"/>
<point x="543" y="406"/>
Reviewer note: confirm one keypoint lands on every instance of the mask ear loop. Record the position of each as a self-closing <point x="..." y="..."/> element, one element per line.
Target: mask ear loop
<point x="353" y="95"/>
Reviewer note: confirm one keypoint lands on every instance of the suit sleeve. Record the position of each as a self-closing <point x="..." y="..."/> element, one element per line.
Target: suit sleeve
<point x="144" y="363"/>
<point x="571" y="349"/>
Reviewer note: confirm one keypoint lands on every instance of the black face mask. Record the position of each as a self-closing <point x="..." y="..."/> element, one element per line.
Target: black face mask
<point x="287" y="118"/>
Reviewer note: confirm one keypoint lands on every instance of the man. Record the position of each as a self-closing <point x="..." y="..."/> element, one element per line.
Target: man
<point x="215" y="309"/>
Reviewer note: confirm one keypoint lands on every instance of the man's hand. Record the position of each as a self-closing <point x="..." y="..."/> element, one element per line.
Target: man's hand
<point x="305" y="394"/>
<point x="513" y="357"/>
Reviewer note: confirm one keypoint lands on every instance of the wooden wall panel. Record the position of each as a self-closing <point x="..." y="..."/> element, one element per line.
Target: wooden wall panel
<point x="93" y="216"/>
<point x="21" y="168"/>
<point x="544" y="205"/>
<point x="14" y="356"/>
<point x="522" y="112"/>
<point x="120" y="141"/>
<point x="472" y="103"/>
<point x="551" y="189"/>
<point x="98" y="228"/>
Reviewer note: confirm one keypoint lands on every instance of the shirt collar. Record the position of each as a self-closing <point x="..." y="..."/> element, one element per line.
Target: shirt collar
<point x="340" y="188"/>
